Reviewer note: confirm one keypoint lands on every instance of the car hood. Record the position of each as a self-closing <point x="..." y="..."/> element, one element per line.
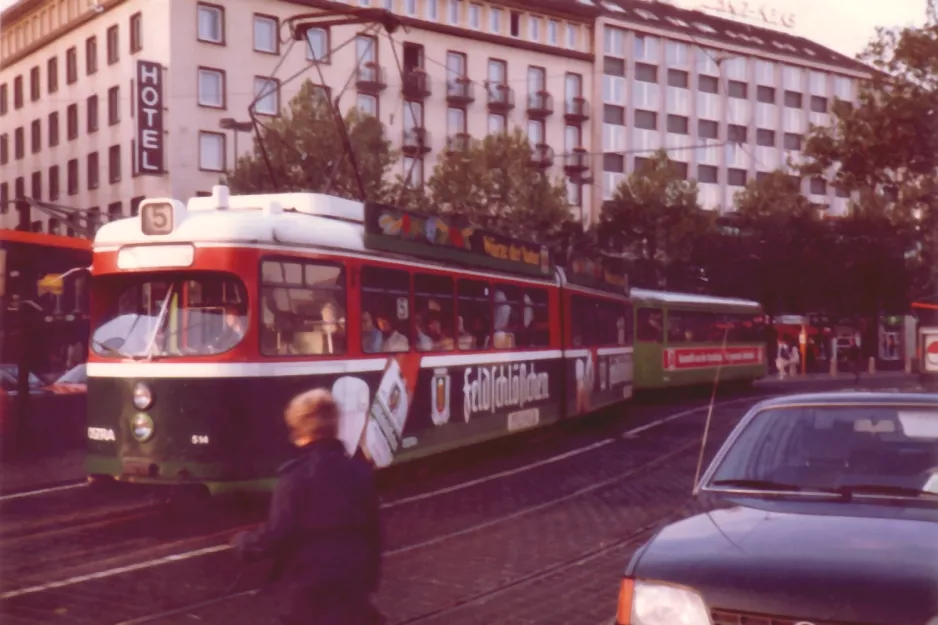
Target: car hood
<point x="814" y="561"/>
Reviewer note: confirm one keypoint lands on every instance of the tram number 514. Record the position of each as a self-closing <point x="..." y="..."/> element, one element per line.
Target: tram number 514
<point x="199" y="439"/>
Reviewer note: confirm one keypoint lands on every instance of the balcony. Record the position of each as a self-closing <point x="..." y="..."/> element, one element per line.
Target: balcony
<point x="415" y="142"/>
<point x="501" y="97"/>
<point x="576" y="110"/>
<point x="369" y="78"/>
<point x="577" y="162"/>
<point x="460" y="92"/>
<point x="540" y="105"/>
<point x="460" y="142"/>
<point x="415" y="84"/>
<point x="543" y="156"/>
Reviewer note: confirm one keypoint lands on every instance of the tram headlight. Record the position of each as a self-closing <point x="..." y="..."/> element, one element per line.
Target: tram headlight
<point x="141" y="426"/>
<point x="143" y="397"/>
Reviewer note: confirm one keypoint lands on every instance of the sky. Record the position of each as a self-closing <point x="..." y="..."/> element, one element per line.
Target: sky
<point x="843" y="25"/>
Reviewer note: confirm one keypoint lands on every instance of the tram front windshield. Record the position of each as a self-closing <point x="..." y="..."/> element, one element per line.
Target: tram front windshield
<point x="165" y="315"/>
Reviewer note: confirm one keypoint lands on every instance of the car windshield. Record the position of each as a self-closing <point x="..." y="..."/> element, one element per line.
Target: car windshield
<point x="873" y="449"/>
<point x="75" y="375"/>
<point x="169" y="315"/>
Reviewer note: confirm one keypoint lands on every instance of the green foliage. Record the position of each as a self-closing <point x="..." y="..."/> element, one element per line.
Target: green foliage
<point x="654" y="219"/>
<point x="307" y="152"/>
<point x="495" y="184"/>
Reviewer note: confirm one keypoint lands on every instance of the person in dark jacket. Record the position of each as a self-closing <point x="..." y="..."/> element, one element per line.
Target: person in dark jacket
<point x="323" y="530"/>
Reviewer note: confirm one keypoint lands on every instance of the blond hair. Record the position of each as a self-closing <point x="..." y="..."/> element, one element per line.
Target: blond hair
<point x="313" y="414"/>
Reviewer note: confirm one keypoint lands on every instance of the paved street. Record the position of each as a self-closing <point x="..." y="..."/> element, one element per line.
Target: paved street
<point x="537" y="533"/>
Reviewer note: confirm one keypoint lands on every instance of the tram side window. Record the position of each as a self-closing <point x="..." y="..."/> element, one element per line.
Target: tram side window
<point x="474" y="314"/>
<point x="507" y="315"/>
<point x="614" y="327"/>
<point x="303" y="308"/>
<point x="385" y="310"/>
<point x="433" y="321"/>
<point x="650" y="326"/>
<point x="746" y="328"/>
<point x="583" y="321"/>
<point x="535" y="320"/>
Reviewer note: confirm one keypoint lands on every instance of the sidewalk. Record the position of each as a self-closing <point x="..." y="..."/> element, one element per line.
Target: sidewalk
<point x="840" y="377"/>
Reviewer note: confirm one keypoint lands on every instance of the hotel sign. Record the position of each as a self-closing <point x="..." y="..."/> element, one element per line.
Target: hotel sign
<point x="751" y="10"/>
<point x="150" y="137"/>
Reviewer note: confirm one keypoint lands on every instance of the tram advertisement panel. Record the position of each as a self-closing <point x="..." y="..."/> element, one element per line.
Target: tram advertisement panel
<point x="433" y="402"/>
<point x="598" y="377"/>
<point x="686" y="358"/>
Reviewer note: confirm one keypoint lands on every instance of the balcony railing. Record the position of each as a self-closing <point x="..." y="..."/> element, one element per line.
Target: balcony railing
<point x="415" y="141"/>
<point x="416" y="84"/>
<point x="576" y="162"/>
<point x="501" y="97"/>
<point x="460" y="91"/>
<point x="576" y="110"/>
<point x="540" y="104"/>
<point x="543" y="156"/>
<point x="459" y="142"/>
<point x="369" y="78"/>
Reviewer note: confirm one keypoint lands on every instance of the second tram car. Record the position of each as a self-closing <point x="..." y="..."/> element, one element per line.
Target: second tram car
<point x="209" y="316"/>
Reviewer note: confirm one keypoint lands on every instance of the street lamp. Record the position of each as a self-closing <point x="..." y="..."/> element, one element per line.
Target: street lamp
<point x="229" y="123"/>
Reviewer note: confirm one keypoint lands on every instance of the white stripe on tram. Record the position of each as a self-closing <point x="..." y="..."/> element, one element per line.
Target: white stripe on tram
<point x="165" y="369"/>
<point x="614" y="351"/>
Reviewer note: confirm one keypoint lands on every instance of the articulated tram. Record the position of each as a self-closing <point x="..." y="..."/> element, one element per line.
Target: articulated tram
<point x="208" y="317"/>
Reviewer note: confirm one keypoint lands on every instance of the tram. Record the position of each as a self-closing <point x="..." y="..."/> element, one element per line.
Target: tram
<point x="209" y="316"/>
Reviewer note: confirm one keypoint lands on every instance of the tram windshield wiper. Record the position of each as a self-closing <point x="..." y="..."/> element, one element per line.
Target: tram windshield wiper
<point x="770" y="485"/>
<point x="110" y="350"/>
<point x="848" y="490"/>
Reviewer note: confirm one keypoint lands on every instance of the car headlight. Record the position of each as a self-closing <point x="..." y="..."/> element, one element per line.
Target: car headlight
<point x="143" y="397"/>
<point x="654" y="603"/>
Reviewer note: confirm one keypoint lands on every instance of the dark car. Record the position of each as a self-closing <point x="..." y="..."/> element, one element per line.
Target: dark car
<point x="819" y="509"/>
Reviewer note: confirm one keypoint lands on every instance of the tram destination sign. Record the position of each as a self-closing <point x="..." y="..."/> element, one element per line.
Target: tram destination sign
<point x="392" y="229"/>
<point x="595" y="271"/>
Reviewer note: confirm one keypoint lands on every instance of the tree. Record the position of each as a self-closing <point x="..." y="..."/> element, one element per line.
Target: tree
<point x="885" y="147"/>
<point x="307" y="152"/>
<point x="654" y="219"/>
<point x="495" y="184"/>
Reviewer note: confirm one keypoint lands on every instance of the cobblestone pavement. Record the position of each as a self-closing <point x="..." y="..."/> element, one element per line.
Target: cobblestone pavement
<point x="545" y="545"/>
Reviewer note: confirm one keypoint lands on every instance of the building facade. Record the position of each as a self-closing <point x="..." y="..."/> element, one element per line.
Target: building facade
<point x="104" y="102"/>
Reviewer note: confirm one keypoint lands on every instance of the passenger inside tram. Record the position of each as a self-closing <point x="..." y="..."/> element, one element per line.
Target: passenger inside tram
<point x="503" y="337"/>
<point x="466" y="340"/>
<point x="430" y="333"/>
<point x="231" y="332"/>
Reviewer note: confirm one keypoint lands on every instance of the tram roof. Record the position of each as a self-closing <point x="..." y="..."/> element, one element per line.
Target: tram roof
<point x="668" y="297"/>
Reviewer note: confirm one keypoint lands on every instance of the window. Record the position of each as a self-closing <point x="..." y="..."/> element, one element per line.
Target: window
<point x="54" y="190"/>
<point x="818" y="104"/>
<point x="317" y="45"/>
<point x="92" y="114"/>
<point x="497" y="123"/>
<point x="211" y="87"/>
<point x="678" y="78"/>
<point x="113" y="43"/>
<point x="52" y="75"/>
<point x="646" y="119"/>
<point x="35" y="84"/>
<point x="614" y="163"/>
<point x="91" y="55"/>
<point x="613" y="114"/>
<point x="707" y="173"/>
<point x="676" y="53"/>
<point x="385" y="306"/>
<point x="707" y="129"/>
<point x="475" y="16"/>
<point x="433" y="313"/>
<point x="595" y="322"/>
<point x="495" y="20"/>
<point x="765" y="137"/>
<point x="71" y="121"/>
<point x="114" y="163"/>
<point x="4" y="149"/>
<point x="410" y="7"/>
<point x="113" y="105"/>
<point x="792" y="141"/>
<point x="135" y="205"/>
<point x="35" y="135"/>
<point x="432" y="9"/>
<point x="818" y="186"/>
<point x="571" y="37"/>
<point x="267" y="92"/>
<point x="18" y="92"/>
<point x="452" y="11"/>
<point x="474" y="314"/>
<point x="36" y="185"/>
<point x="737" y="134"/>
<point x="413" y="172"/>
<point x="678" y="125"/>
<point x="794" y="100"/>
<point x="72" y="181"/>
<point x="646" y="73"/>
<point x="115" y="211"/>
<point x="514" y="24"/>
<point x="737" y="89"/>
<point x="649" y="325"/>
<point x="136" y="33"/>
<point x="19" y="143"/>
<point x="455" y="121"/>
<point x="303" y="306"/>
<point x="93" y="171"/>
<point x="211" y="151"/>
<point x="266" y="34"/>
<point x="507" y="316"/>
<point x="367" y="104"/>
<point x="211" y="23"/>
<point x="3" y="99"/>
<point x="534" y="28"/>
<point x="553" y="32"/>
<point x="736" y="177"/>
<point x="71" y="65"/>
<point x="708" y="84"/>
<point x="765" y="94"/>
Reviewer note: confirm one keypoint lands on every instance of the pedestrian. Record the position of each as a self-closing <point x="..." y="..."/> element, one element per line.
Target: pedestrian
<point x="782" y="357"/>
<point x="323" y="531"/>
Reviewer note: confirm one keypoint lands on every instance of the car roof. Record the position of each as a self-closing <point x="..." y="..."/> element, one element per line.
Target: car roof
<point x="834" y="398"/>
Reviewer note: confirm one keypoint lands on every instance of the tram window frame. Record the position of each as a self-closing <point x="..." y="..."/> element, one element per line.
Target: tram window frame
<point x="537" y="334"/>
<point x="507" y="337"/>
<point x="583" y="325"/>
<point x="387" y="282"/>
<point x="295" y="275"/>
<point x="473" y="297"/>
<point x="644" y="330"/>
<point x="430" y="288"/>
